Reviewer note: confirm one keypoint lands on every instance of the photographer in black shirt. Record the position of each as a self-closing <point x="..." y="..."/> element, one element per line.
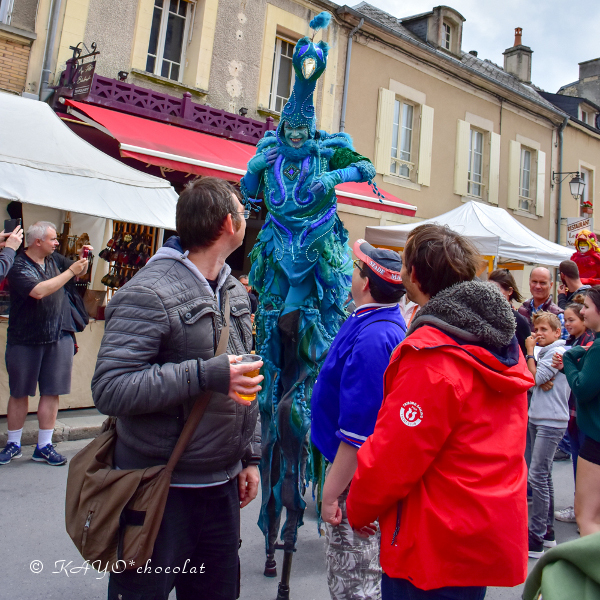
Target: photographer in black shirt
<point x="39" y="346"/>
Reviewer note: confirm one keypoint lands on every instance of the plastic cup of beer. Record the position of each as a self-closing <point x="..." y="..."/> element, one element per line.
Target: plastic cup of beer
<point x="247" y="359"/>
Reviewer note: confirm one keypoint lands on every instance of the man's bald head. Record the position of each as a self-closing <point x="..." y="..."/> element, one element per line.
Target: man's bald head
<point x="540" y="284"/>
<point x="541" y="271"/>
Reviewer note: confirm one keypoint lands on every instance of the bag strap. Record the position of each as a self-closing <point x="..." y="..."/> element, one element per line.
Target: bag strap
<point x="202" y="400"/>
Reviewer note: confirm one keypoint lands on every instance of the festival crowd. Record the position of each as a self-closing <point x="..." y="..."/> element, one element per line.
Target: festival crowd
<point x="439" y="407"/>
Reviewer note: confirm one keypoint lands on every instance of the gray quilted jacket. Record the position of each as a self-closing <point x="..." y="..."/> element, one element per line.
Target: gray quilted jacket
<point x="162" y="328"/>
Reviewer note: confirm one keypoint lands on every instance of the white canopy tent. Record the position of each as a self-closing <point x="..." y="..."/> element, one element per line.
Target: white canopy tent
<point x="43" y="162"/>
<point x="493" y="231"/>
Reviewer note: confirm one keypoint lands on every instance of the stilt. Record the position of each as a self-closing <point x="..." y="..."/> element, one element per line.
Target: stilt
<point x="283" y="591"/>
<point x="270" y="566"/>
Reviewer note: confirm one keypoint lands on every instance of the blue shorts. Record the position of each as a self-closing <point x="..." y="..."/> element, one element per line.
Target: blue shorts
<point x="48" y="364"/>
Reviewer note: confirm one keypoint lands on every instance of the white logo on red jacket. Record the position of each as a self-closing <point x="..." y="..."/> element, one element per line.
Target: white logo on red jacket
<point x="411" y="414"/>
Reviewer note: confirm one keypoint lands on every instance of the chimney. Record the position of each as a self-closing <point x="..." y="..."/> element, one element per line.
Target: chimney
<point x="589" y="68"/>
<point x="517" y="60"/>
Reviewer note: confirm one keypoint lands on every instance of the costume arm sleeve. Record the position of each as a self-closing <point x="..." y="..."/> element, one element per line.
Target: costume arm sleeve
<point x="250" y="183"/>
<point x="344" y="157"/>
<point x="127" y="380"/>
<point x="397" y="455"/>
<point x="361" y="388"/>
<point x="583" y="381"/>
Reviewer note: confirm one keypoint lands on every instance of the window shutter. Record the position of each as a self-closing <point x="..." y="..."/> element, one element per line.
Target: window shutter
<point x="541" y="183"/>
<point x="461" y="160"/>
<point x="514" y="168"/>
<point x="494" y="179"/>
<point x="425" y="146"/>
<point x="385" y="121"/>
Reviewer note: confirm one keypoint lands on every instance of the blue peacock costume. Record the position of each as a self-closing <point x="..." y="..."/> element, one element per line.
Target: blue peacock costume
<point x="302" y="270"/>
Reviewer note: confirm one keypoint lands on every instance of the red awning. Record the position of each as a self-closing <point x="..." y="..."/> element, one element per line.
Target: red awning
<point x="190" y="151"/>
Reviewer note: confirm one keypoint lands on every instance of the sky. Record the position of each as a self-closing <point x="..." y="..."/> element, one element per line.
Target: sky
<point x="560" y="34"/>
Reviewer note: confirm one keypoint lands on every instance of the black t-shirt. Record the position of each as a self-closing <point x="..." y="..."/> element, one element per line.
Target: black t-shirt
<point x="32" y="321"/>
<point x="213" y="284"/>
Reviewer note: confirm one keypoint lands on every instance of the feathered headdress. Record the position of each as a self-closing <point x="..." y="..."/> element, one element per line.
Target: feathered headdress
<point x="309" y="60"/>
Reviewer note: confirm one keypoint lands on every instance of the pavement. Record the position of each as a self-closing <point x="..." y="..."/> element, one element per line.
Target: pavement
<point x="71" y="425"/>
<point x="32" y="517"/>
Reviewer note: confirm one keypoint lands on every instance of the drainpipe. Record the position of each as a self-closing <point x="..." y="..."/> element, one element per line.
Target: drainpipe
<point x="347" y="74"/>
<point x="559" y="199"/>
<point x="45" y="91"/>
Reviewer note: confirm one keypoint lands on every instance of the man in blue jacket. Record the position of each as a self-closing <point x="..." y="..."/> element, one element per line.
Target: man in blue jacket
<point x="345" y="403"/>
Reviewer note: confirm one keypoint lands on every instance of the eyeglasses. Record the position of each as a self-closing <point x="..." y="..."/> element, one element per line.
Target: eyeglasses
<point x="246" y="213"/>
<point x="356" y="264"/>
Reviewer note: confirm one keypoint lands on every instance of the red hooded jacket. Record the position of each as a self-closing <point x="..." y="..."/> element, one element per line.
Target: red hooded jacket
<point x="444" y="470"/>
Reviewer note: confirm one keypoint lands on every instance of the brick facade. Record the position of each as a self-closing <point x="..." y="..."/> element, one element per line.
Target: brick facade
<point x="14" y="58"/>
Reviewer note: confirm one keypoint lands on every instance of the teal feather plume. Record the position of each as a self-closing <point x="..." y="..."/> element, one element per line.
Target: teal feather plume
<point x="321" y="21"/>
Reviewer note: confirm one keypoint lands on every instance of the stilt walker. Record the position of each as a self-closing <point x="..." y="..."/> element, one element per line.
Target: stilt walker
<point x="302" y="271"/>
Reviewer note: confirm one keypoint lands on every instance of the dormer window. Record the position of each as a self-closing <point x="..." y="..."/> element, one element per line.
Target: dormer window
<point x="447" y="39"/>
<point x="587" y="116"/>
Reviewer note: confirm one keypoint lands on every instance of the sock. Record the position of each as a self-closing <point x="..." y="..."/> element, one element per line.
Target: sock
<point x="44" y="437"/>
<point x="15" y="436"/>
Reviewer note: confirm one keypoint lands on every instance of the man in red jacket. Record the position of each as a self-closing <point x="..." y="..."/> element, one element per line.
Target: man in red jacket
<point x="444" y="471"/>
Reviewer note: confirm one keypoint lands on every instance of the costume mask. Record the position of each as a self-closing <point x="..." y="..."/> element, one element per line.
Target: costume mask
<point x="583" y="248"/>
<point x="295" y="136"/>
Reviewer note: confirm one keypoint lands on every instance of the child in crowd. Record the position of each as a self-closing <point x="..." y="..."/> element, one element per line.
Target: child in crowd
<point x="579" y="335"/>
<point x="548" y="418"/>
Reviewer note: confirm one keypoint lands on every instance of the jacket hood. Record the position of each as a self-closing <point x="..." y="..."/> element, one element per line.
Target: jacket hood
<point x="475" y="323"/>
<point x="551" y="348"/>
<point x="172" y="250"/>
<point x="472" y="311"/>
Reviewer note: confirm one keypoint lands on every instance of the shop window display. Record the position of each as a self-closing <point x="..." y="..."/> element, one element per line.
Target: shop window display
<point x="129" y="249"/>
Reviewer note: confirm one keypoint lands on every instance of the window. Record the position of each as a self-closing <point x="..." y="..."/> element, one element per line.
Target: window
<point x="587" y="116"/>
<point x="588" y="191"/>
<point x="6" y="7"/>
<point x="402" y="132"/>
<point x="475" y="175"/>
<point x="404" y="136"/>
<point x="525" y="180"/>
<point x="169" y="31"/>
<point x="283" y="74"/>
<point x="447" y="36"/>
<point x="526" y="176"/>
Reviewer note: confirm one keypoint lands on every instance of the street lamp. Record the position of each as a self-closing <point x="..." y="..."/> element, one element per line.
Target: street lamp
<point x="576" y="185"/>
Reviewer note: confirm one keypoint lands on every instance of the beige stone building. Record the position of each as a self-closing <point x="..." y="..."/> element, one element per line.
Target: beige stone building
<point x="17" y="34"/>
<point x="441" y="124"/>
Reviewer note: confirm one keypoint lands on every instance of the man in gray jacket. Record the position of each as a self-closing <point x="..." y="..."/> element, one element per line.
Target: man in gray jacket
<point x="157" y="355"/>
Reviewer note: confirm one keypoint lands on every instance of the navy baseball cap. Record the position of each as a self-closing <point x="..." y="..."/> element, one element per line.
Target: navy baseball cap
<point x="384" y="264"/>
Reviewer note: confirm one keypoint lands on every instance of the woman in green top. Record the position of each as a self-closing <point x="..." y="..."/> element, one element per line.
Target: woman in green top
<point x="581" y="365"/>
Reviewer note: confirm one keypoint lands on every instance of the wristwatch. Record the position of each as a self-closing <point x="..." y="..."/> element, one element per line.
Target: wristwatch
<point x="528" y="356"/>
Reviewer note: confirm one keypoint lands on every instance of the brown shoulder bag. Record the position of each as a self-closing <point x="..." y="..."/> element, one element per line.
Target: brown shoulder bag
<point x="113" y="516"/>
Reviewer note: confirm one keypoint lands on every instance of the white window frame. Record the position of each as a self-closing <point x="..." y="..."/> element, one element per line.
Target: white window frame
<point x="6" y="8"/>
<point x="275" y="73"/>
<point x="471" y="181"/>
<point x="527" y="201"/>
<point x="447" y="36"/>
<point x="587" y="175"/>
<point x="396" y="161"/>
<point x="163" y="34"/>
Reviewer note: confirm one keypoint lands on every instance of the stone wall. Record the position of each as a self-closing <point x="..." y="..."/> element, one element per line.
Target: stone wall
<point x="111" y="24"/>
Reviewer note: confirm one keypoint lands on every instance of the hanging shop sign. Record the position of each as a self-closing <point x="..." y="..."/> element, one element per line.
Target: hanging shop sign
<point x="575" y="225"/>
<point x="84" y="79"/>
